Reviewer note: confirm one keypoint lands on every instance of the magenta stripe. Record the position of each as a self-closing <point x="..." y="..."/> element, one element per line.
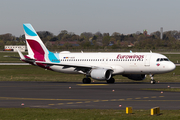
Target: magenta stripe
<point x="38" y="51"/>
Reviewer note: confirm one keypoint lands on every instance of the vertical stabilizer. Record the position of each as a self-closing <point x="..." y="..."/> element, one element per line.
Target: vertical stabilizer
<point x="36" y="48"/>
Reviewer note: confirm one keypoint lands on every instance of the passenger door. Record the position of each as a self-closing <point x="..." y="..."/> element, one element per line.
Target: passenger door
<point x="147" y="60"/>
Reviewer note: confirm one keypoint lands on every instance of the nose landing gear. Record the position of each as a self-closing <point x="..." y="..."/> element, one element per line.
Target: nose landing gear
<point x="152" y="79"/>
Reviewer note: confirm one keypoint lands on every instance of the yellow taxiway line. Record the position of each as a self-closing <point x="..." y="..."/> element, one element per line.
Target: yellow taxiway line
<point x="15" y="98"/>
<point x="92" y="84"/>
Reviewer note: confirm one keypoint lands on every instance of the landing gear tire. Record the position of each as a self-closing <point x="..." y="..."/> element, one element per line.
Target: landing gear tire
<point x="111" y="80"/>
<point x="153" y="81"/>
<point x="86" y="80"/>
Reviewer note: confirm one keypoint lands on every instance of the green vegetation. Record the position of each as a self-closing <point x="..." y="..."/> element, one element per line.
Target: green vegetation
<point x="83" y="114"/>
<point x="68" y="40"/>
<point x="34" y="73"/>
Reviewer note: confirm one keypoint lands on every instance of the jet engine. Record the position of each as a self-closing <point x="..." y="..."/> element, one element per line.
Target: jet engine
<point x="100" y="74"/>
<point x="137" y="77"/>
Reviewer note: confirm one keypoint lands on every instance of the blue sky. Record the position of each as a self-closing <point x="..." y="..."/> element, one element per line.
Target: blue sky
<point x="123" y="16"/>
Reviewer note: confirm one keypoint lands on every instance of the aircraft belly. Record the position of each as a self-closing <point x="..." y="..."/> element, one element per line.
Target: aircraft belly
<point x="63" y="69"/>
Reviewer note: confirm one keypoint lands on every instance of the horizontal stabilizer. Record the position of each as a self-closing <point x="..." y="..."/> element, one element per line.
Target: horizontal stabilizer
<point x="21" y="55"/>
<point x="11" y="56"/>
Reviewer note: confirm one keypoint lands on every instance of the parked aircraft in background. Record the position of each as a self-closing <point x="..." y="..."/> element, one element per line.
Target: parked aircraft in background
<point x="99" y="66"/>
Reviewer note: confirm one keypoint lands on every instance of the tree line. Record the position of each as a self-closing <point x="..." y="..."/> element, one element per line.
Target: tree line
<point x="87" y="40"/>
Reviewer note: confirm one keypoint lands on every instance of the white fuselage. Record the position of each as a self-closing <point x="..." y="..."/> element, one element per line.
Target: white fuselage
<point x="120" y="63"/>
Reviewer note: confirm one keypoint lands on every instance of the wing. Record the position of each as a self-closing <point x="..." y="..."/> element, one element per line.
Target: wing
<point x="67" y="65"/>
<point x="83" y="69"/>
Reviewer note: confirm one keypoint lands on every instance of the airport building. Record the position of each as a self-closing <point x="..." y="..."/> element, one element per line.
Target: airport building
<point x="14" y="48"/>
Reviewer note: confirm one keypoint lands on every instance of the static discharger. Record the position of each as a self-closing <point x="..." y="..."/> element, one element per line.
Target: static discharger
<point x="129" y="110"/>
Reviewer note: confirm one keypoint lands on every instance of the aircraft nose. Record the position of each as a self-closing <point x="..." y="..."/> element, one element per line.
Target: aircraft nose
<point x="171" y="66"/>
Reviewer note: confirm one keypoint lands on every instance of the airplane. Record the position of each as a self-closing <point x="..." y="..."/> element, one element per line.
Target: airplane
<point x="99" y="66"/>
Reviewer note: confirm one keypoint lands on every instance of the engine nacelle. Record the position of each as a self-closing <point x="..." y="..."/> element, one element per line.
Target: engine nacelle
<point x="135" y="76"/>
<point x="100" y="74"/>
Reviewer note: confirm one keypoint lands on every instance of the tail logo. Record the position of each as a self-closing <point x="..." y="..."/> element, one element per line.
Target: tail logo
<point x="36" y="47"/>
<point x="29" y="30"/>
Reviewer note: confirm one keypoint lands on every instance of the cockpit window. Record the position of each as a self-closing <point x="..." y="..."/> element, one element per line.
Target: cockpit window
<point x="162" y="59"/>
<point x="165" y="59"/>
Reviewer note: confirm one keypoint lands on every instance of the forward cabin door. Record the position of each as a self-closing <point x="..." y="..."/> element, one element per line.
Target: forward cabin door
<point x="147" y="60"/>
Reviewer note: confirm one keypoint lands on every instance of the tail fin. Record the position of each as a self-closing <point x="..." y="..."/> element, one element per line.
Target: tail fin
<point x="36" y="48"/>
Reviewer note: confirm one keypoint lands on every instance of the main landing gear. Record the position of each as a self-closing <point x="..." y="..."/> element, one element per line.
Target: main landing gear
<point x="111" y="80"/>
<point x="152" y="79"/>
<point x="86" y="80"/>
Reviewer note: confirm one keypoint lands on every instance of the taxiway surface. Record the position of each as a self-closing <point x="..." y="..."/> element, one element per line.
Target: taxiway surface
<point x="87" y="96"/>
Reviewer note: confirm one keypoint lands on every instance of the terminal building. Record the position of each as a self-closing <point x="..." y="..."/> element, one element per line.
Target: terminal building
<point x="14" y="48"/>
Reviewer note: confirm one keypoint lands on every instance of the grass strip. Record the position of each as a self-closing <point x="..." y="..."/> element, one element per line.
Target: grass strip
<point x="34" y="73"/>
<point x="83" y="114"/>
